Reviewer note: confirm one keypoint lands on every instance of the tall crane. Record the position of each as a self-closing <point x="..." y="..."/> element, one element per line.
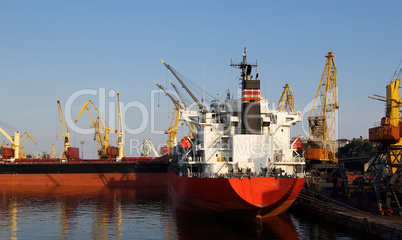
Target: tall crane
<point x="385" y="168"/>
<point x="119" y="128"/>
<point x="64" y="131"/>
<point x="322" y="119"/>
<point x="101" y="130"/>
<point x="286" y="102"/>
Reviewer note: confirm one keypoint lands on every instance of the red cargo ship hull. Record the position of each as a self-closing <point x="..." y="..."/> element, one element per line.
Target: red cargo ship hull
<point x="256" y="196"/>
<point x="53" y="172"/>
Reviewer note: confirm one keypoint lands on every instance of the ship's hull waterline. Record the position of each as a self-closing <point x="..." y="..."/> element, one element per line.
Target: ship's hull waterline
<point x="239" y="197"/>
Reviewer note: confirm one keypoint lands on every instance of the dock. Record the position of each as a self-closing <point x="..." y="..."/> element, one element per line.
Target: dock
<point x="384" y="227"/>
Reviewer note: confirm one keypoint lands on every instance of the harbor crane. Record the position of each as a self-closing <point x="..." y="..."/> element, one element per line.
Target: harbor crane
<point x="321" y="161"/>
<point x="321" y="144"/>
<point x="385" y="168"/>
<point x="101" y="130"/>
<point x="286" y="101"/>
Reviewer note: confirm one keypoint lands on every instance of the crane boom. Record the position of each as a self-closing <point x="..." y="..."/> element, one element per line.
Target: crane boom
<point x="172" y="131"/>
<point x="178" y="94"/>
<point x="322" y="119"/>
<point x="28" y="136"/>
<point x="175" y="102"/>
<point x="99" y="125"/>
<point x="183" y="85"/>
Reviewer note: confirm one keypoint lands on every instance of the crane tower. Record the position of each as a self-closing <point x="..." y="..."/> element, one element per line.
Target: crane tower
<point x="322" y="119"/>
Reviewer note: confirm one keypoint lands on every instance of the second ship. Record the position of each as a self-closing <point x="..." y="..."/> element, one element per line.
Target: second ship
<point x="111" y="169"/>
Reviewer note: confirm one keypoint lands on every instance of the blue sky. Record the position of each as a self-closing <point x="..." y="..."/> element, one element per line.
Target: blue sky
<point x="52" y="49"/>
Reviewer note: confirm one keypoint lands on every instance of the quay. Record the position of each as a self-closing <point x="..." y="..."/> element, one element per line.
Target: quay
<point x="384" y="227"/>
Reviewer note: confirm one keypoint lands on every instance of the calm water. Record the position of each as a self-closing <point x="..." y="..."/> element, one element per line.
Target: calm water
<point x="142" y="213"/>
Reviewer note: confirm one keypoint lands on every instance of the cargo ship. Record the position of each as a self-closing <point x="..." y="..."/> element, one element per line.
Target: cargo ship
<point x="134" y="171"/>
<point x="238" y="160"/>
<point x="111" y="169"/>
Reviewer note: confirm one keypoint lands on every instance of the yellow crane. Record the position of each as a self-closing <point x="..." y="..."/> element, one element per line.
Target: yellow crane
<point x="322" y="119"/>
<point x="101" y="130"/>
<point x="286" y="102"/>
<point x="385" y="168"/>
<point x="64" y="131"/>
<point x="24" y="155"/>
<point x="172" y="130"/>
<point x="53" y="153"/>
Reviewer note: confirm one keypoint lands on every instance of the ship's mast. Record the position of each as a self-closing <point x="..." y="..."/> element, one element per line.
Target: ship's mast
<point x="250" y="107"/>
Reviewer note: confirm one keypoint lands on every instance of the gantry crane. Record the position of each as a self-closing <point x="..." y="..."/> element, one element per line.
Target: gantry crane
<point x="101" y="130"/>
<point x="322" y="119"/>
<point x="23" y="155"/>
<point x="385" y="168"/>
<point x="64" y="131"/>
<point x="286" y="102"/>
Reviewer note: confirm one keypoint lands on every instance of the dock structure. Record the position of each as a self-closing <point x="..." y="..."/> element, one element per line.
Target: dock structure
<point x="384" y="227"/>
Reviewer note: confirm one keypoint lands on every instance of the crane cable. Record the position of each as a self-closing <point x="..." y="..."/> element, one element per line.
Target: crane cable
<point x="398" y="73"/>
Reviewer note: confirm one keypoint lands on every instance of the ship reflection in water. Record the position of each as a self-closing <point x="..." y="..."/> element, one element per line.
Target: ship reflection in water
<point x="130" y="213"/>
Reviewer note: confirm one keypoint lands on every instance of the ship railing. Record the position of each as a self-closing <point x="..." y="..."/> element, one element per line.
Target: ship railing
<point x="241" y="175"/>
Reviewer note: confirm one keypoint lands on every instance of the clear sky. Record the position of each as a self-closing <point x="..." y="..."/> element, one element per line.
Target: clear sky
<point x="69" y="50"/>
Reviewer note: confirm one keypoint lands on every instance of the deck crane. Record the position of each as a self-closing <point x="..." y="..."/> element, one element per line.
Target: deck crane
<point x="53" y="153"/>
<point x="147" y="147"/>
<point x="64" y="131"/>
<point x="322" y="119"/>
<point x="23" y="155"/>
<point x="101" y="130"/>
<point x="178" y="94"/>
<point x="15" y="143"/>
<point x="386" y="166"/>
<point x="172" y="131"/>
<point x="191" y="125"/>
<point x="286" y="102"/>
<point x="119" y="128"/>
<point x="183" y="85"/>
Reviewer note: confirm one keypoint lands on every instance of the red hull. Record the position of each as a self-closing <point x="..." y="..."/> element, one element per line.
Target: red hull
<point x="85" y="179"/>
<point x="257" y="196"/>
